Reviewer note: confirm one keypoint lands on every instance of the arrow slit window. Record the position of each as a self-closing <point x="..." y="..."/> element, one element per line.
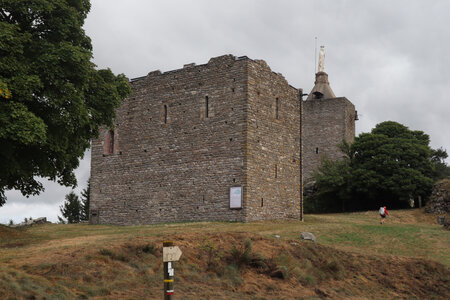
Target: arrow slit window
<point x="277" y="108"/>
<point x="165" y="114"/>
<point x="206" y="107"/>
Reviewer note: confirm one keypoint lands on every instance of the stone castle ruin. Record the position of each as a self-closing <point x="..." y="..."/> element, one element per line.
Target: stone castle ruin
<point x="229" y="140"/>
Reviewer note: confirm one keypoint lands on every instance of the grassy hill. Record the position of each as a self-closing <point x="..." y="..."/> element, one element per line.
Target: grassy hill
<point x="354" y="258"/>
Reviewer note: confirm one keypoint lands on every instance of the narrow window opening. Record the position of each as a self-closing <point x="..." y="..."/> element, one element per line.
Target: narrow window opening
<point x="262" y="202"/>
<point x="234" y="179"/>
<point x="317" y="150"/>
<point x="109" y="143"/>
<point x="277" y="103"/>
<point x="165" y="114"/>
<point x="111" y="139"/>
<point x="232" y="90"/>
<point x="206" y="107"/>
<point x="276" y="171"/>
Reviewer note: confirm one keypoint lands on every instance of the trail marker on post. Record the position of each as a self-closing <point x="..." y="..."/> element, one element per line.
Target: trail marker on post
<point x="171" y="253"/>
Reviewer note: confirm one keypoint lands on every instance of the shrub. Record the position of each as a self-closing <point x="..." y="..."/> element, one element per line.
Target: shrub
<point x="149" y="248"/>
<point x="213" y="254"/>
<point x="242" y="256"/>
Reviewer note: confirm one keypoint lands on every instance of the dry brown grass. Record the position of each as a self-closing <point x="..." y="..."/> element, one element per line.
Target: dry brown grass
<point x="355" y="258"/>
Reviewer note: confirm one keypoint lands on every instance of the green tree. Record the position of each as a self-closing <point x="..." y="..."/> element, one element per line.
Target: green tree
<point x="71" y="209"/>
<point x="387" y="166"/>
<point x="392" y="164"/>
<point x="52" y="98"/>
<point x="85" y="201"/>
<point x="441" y="169"/>
<point x="332" y="187"/>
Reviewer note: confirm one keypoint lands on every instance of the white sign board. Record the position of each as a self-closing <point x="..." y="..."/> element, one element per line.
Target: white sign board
<point x="170" y="269"/>
<point x="236" y="197"/>
<point x="171" y="253"/>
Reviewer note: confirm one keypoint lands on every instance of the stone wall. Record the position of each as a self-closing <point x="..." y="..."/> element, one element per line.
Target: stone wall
<point x="326" y="122"/>
<point x="174" y="159"/>
<point x="439" y="202"/>
<point x="185" y="137"/>
<point x="273" y="145"/>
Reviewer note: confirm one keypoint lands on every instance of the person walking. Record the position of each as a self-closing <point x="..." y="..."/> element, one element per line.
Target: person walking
<point x="383" y="213"/>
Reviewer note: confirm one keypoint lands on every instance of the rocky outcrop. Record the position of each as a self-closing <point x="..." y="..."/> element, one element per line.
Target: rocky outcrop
<point x="32" y="222"/>
<point x="440" y="198"/>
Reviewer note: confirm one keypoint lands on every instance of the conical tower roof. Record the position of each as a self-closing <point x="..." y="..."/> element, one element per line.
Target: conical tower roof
<point x="321" y="89"/>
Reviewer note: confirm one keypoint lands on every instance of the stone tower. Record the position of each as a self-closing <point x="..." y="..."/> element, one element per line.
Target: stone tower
<point x="327" y="120"/>
<point x="213" y="142"/>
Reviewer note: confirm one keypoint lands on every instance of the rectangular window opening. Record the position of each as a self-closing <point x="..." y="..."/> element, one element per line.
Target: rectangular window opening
<point x="165" y="114"/>
<point x="111" y="144"/>
<point x="206" y="107"/>
<point x="108" y="147"/>
<point x="317" y="150"/>
<point x="276" y="170"/>
<point x="277" y="103"/>
<point x="262" y="202"/>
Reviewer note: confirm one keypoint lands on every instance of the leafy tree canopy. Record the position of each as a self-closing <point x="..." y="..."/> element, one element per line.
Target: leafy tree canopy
<point x="389" y="165"/>
<point x="52" y="98"/>
<point x="441" y="169"/>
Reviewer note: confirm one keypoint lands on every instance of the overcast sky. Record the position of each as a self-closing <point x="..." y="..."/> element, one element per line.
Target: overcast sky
<point x="390" y="58"/>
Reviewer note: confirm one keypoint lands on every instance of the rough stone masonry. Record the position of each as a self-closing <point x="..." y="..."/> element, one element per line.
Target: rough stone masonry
<point x="186" y="138"/>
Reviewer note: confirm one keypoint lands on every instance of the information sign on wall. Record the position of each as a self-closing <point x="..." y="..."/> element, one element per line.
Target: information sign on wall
<point x="236" y="197"/>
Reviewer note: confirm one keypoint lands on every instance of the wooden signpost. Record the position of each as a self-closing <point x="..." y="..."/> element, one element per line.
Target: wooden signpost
<point x="171" y="253"/>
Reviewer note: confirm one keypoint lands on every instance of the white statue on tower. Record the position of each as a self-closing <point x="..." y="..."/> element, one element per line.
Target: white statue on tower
<point x="321" y="59"/>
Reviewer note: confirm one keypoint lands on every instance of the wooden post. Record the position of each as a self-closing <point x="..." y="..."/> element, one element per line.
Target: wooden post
<point x="168" y="275"/>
